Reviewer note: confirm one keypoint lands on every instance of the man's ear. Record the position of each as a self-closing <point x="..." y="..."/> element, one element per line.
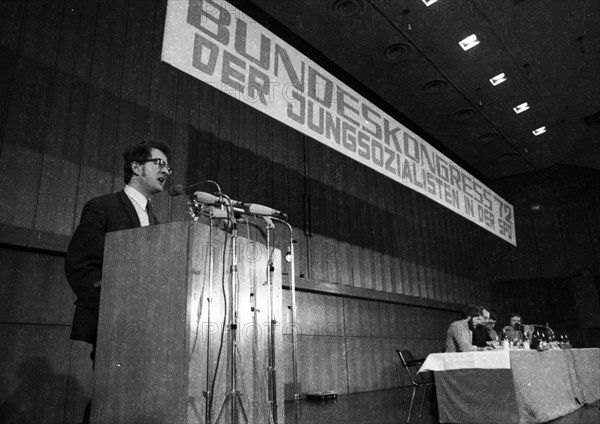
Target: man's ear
<point x="135" y="168"/>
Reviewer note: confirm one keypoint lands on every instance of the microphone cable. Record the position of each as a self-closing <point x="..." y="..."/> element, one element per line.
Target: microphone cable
<point x="225" y="315"/>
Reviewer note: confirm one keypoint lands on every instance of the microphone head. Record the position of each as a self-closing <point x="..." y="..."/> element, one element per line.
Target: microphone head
<point x="176" y="190"/>
<point x="213" y="212"/>
<point x="205" y="198"/>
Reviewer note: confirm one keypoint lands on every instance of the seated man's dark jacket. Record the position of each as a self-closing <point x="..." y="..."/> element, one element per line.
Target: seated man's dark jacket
<point x="481" y="336"/>
<point x="83" y="262"/>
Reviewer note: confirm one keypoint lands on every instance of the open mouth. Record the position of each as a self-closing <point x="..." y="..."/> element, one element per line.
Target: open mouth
<point x="161" y="180"/>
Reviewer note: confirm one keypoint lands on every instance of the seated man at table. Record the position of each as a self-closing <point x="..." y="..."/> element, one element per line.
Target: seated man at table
<point x="480" y="334"/>
<point x="459" y="337"/>
<point x="485" y="334"/>
<point x="515" y="332"/>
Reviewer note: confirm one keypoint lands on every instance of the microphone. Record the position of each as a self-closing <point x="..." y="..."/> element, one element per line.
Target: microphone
<point x="214" y="212"/>
<point x="207" y="198"/>
<point x="211" y="199"/>
<point x="178" y="189"/>
<point x="248" y="208"/>
<point x="260" y="210"/>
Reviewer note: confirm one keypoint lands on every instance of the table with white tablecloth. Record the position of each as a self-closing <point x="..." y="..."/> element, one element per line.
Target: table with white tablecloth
<point x="517" y="386"/>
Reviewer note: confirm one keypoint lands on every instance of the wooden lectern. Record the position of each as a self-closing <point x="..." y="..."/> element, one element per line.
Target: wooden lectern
<point x="155" y="337"/>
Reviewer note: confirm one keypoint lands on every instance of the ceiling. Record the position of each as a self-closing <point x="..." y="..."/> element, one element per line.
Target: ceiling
<point x="408" y="54"/>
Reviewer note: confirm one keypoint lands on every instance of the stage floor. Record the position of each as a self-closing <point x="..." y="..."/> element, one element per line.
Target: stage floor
<point x="391" y="407"/>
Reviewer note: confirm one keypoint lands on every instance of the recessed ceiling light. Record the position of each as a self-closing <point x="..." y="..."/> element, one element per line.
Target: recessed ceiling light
<point x="521" y="108"/>
<point x="462" y="115"/>
<point x="435" y="86"/>
<point x="469" y="42"/>
<point x="540" y="130"/>
<point x="397" y="52"/>
<point x="347" y="9"/>
<point x="508" y="155"/>
<point x="498" y="79"/>
<point x="488" y="137"/>
<point x="429" y="2"/>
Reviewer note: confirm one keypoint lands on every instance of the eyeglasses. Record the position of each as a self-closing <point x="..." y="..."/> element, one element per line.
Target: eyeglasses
<point x="160" y="163"/>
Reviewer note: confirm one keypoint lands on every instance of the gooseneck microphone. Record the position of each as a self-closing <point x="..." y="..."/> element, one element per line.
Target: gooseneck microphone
<point x="248" y="208"/>
<point x="260" y="210"/>
<point x="178" y="189"/>
<point x="207" y="198"/>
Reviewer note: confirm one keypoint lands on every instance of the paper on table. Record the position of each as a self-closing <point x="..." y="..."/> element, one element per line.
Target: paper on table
<point x="493" y="359"/>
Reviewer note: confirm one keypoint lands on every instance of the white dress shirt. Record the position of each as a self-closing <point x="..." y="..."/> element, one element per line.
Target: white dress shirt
<point x="139" y="203"/>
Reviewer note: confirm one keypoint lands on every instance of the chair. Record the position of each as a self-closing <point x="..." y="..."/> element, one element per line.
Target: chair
<point x="408" y="362"/>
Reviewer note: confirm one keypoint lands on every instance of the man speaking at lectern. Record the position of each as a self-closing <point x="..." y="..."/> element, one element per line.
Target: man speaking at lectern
<point x="146" y="169"/>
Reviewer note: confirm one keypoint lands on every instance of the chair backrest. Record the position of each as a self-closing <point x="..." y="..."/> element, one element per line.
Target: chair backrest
<point x="405" y="357"/>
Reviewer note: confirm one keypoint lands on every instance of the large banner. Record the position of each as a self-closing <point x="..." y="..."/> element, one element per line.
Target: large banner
<point x="216" y="43"/>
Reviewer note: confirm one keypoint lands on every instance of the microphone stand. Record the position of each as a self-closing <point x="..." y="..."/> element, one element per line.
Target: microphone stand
<point x="208" y="392"/>
<point x="271" y="369"/>
<point x="271" y="404"/>
<point x="233" y="394"/>
<point x="292" y="280"/>
<point x="195" y="210"/>
<point x="271" y="328"/>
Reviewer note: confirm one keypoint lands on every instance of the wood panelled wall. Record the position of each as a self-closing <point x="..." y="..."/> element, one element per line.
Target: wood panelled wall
<point x="44" y="377"/>
<point x="552" y="276"/>
<point x="349" y="345"/>
<point x="82" y="80"/>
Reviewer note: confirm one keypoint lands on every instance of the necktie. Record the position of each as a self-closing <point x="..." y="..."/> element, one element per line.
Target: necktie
<point x="150" y="212"/>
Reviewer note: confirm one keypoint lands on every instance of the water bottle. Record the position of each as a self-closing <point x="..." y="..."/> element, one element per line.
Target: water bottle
<point x="505" y="344"/>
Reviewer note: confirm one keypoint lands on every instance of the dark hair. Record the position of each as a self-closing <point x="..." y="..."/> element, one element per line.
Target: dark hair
<point x="512" y="314"/>
<point x="140" y="152"/>
<point x="472" y="311"/>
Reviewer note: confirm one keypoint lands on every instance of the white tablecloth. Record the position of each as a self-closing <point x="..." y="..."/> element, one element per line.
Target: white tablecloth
<point x="528" y="387"/>
<point x="492" y="359"/>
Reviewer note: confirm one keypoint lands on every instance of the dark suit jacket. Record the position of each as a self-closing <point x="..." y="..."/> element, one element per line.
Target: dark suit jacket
<point x="83" y="263"/>
<point x="481" y="336"/>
